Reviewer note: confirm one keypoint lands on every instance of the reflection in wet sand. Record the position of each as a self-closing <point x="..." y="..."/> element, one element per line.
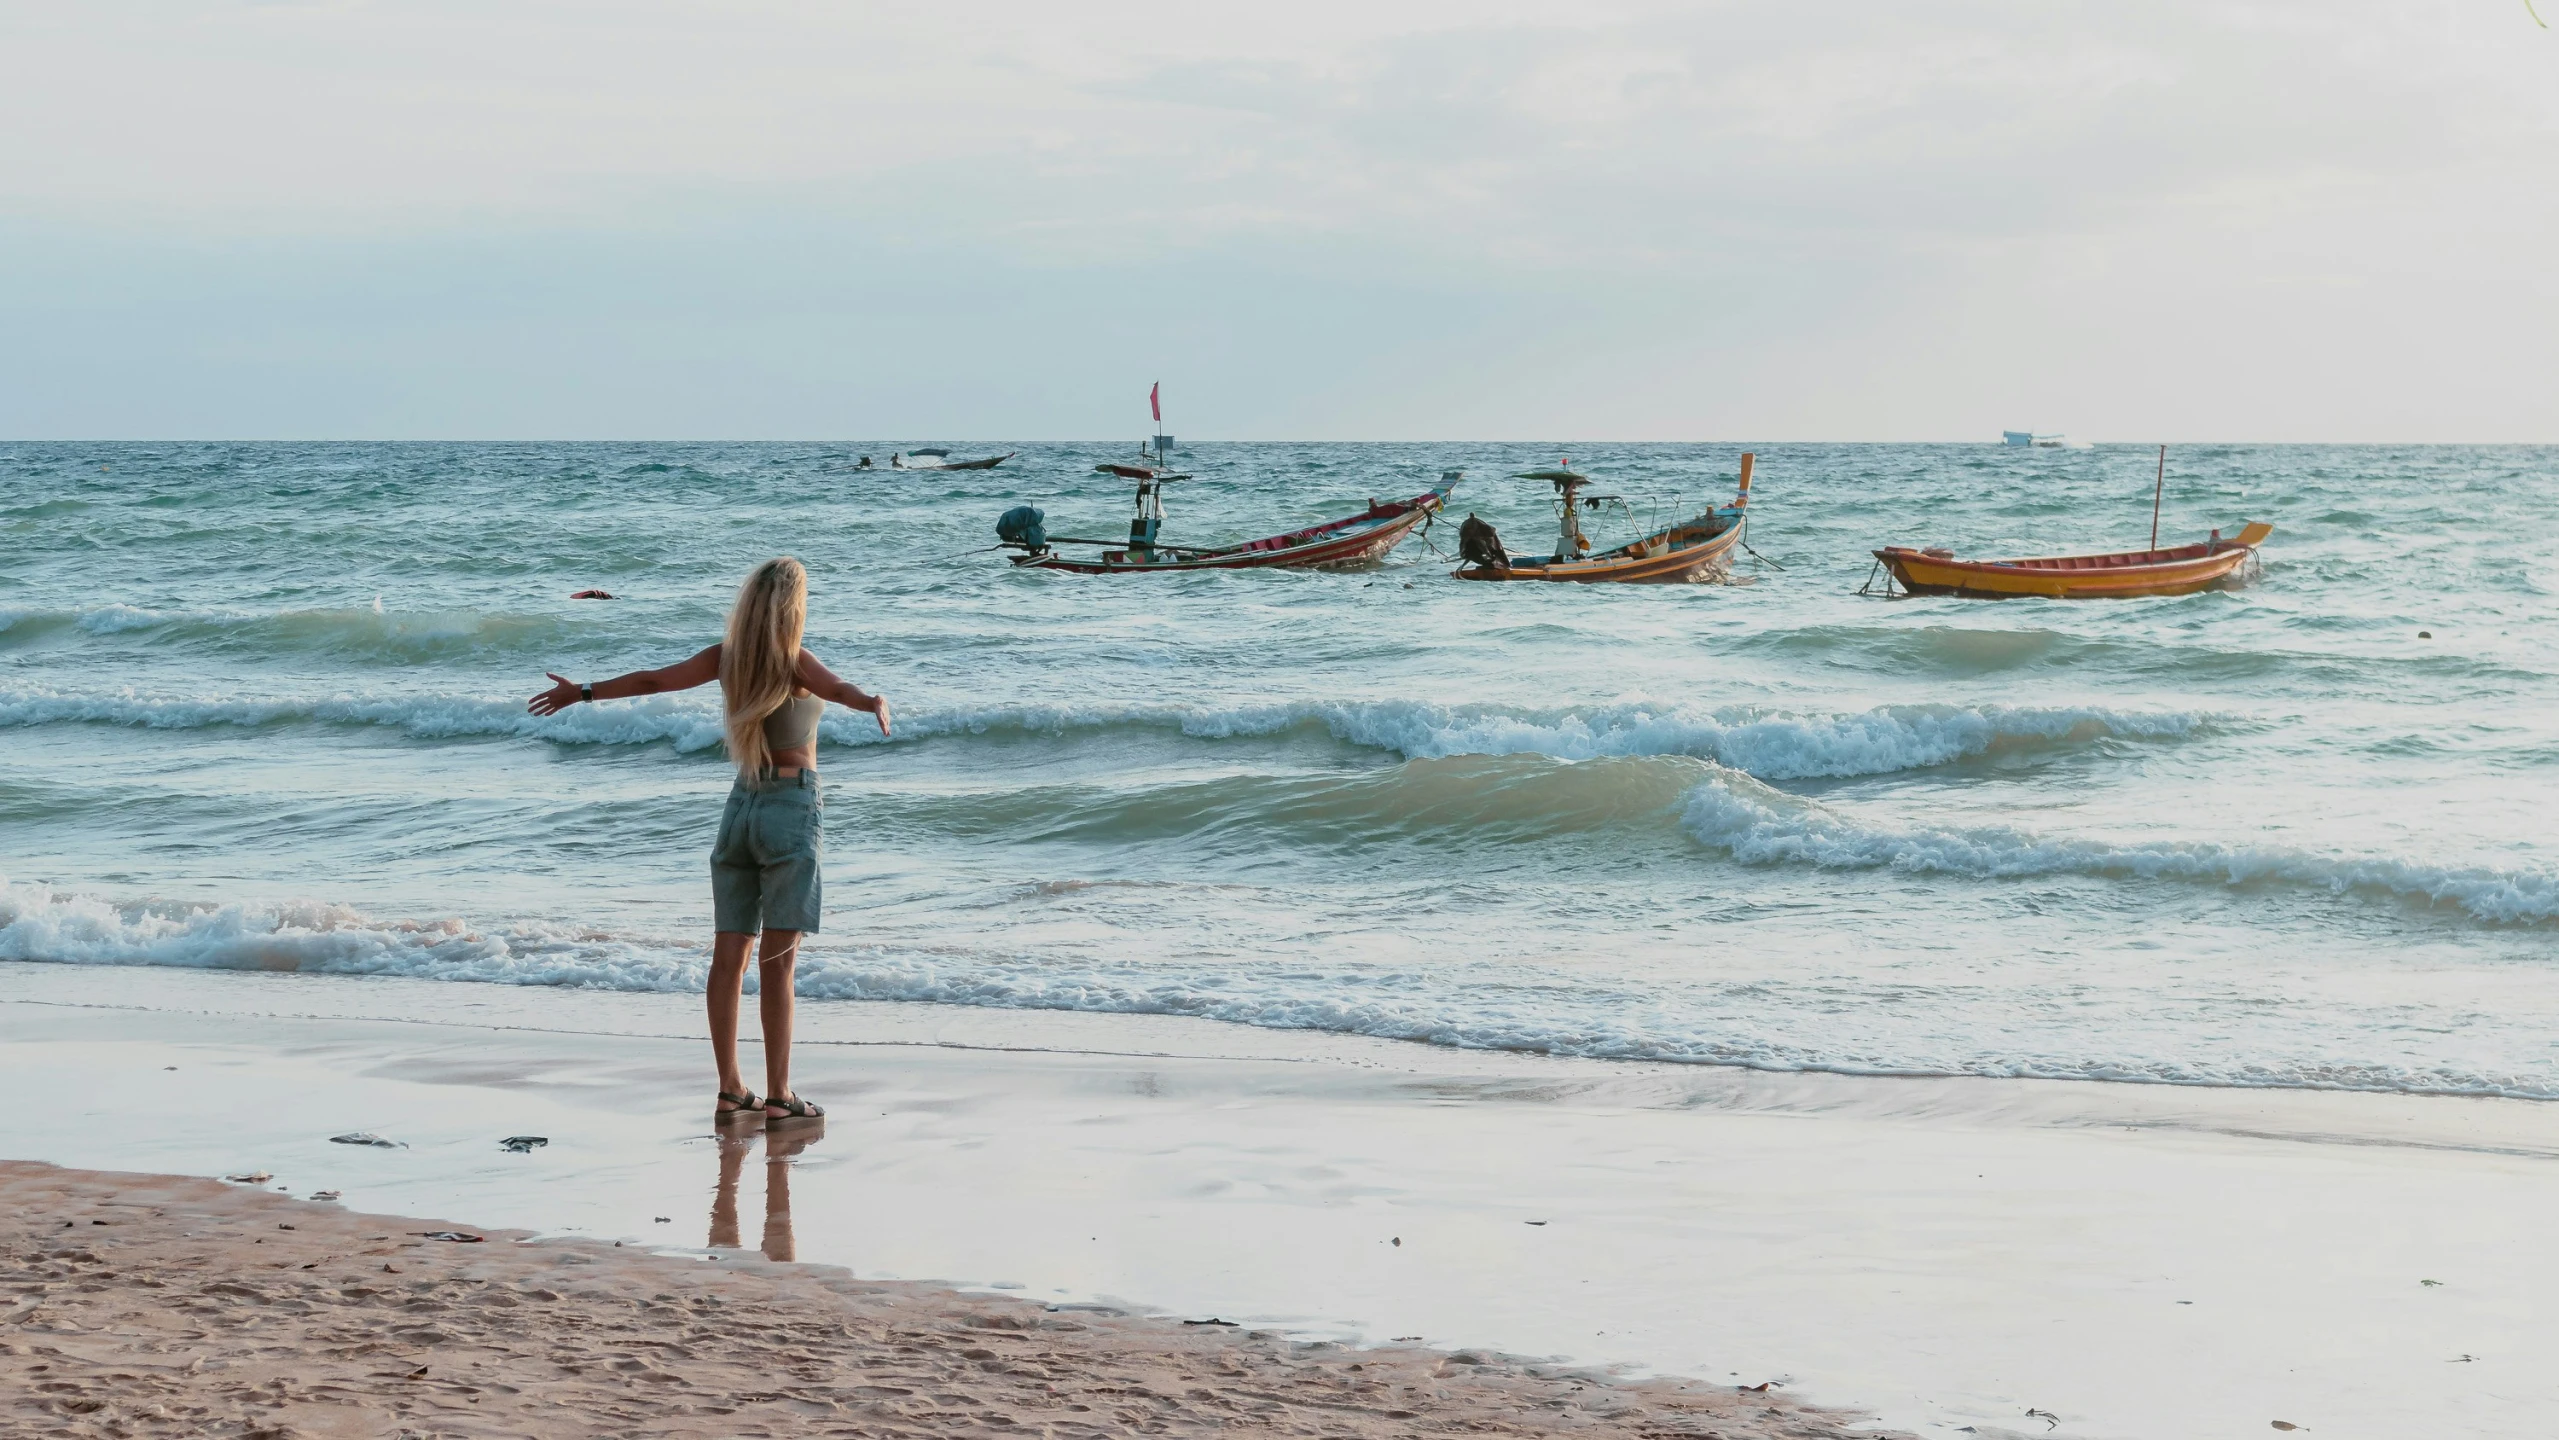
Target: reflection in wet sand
<point x="780" y="1149"/>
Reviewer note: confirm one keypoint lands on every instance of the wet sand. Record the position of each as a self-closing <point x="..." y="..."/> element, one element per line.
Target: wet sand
<point x="142" y="1305"/>
<point x="1957" y="1257"/>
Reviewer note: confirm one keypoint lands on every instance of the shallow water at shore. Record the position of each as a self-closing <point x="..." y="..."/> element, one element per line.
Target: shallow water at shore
<point x="1944" y="1253"/>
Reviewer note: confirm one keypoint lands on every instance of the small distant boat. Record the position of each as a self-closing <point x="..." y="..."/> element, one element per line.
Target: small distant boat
<point x="940" y="459"/>
<point x="1699" y="548"/>
<point x="1137" y="472"/>
<point x="2049" y="440"/>
<point x="2181" y="570"/>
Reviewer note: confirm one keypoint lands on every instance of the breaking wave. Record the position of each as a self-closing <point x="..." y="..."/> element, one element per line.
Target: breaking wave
<point x="1774" y="745"/>
<point x="359" y="632"/>
<point x="1758" y="825"/>
<point x="688" y="725"/>
<point x="1481" y="1007"/>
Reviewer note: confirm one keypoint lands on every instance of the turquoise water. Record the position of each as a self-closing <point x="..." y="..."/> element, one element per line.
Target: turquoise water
<point x="261" y="707"/>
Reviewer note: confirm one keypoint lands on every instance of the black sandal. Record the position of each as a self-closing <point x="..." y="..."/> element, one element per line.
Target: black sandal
<point x="733" y="1107"/>
<point x="794" y="1111"/>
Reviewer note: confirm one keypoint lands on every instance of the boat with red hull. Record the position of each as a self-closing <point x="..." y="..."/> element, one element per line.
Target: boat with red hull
<point x="1699" y="549"/>
<point x="1354" y="540"/>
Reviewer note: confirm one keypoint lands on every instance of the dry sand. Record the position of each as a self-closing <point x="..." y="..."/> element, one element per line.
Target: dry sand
<point x="156" y="1305"/>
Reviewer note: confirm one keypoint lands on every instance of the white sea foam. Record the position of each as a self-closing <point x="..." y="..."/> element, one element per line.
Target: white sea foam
<point x="1772" y="745"/>
<point x="40" y="923"/>
<point x="1769" y="744"/>
<point x="1491" y="1007"/>
<point x="1761" y="826"/>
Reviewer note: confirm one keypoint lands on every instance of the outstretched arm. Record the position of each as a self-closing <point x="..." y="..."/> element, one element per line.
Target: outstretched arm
<point x="702" y="669"/>
<point x="815" y="678"/>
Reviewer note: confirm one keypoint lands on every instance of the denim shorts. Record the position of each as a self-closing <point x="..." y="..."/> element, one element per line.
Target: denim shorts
<point x="764" y="866"/>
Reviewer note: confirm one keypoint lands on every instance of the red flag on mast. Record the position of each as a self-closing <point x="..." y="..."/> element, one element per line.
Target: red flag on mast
<point x="1155" y="400"/>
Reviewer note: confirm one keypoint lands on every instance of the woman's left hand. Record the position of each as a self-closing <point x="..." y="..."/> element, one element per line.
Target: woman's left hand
<point x="880" y="712"/>
<point x="562" y="694"/>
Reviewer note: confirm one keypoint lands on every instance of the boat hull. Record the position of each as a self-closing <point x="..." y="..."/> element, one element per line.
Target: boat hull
<point x="1362" y="539"/>
<point x="2124" y="576"/>
<point x="1654" y="560"/>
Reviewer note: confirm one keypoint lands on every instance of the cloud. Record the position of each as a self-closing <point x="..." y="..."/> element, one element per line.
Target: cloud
<point x="1376" y="219"/>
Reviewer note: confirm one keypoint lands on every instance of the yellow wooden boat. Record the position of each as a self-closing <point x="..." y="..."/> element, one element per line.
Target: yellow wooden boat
<point x="2181" y="570"/>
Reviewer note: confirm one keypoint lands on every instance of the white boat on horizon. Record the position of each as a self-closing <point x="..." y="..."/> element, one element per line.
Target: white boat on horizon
<point x="2050" y="440"/>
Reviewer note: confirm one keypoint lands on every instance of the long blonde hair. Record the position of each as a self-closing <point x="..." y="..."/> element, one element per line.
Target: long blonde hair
<point x="761" y="656"/>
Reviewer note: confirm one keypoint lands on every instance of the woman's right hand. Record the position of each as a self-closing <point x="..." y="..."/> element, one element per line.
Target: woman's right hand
<point x="562" y="694"/>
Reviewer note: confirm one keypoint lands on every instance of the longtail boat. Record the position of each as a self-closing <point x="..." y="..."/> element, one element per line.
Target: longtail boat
<point x="2179" y="570"/>
<point x="1361" y="539"/>
<point x="942" y="460"/>
<point x="1697" y="549"/>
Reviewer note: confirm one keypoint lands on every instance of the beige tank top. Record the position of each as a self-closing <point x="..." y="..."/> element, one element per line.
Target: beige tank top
<point x="794" y="726"/>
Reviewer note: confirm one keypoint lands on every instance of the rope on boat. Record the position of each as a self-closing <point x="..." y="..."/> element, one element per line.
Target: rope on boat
<point x="1869" y="587"/>
<point x="1430" y="517"/>
<point x="1755" y="555"/>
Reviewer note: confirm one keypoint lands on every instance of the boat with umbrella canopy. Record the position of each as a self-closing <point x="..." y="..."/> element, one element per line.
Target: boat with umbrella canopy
<point x="1699" y="548"/>
<point x="1353" y="540"/>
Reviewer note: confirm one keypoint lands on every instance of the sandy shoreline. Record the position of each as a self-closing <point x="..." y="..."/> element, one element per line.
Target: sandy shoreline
<point x="1946" y="1255"/>
<point x="159" y="1305"/>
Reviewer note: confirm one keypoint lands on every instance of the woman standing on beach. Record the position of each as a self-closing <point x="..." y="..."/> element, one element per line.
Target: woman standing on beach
<point x="764" y="866"/>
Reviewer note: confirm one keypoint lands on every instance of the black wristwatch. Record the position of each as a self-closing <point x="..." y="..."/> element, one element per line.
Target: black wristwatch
<point x="587" y="693"/>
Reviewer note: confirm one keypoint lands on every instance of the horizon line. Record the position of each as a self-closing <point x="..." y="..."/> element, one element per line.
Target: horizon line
<point x="1179" y="442"/>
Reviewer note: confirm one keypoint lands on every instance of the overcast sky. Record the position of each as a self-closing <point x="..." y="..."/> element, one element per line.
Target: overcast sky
<point x="2330" y="220"/>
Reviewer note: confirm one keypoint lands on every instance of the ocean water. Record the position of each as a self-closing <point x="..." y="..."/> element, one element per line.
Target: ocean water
<point x="261" y="708"/>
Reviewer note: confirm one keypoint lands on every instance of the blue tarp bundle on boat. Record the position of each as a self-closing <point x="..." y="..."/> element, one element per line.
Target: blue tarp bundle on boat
<point x="1021" y="526"/>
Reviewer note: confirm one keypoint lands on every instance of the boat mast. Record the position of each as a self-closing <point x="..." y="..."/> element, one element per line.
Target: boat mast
<point x="2158" y="488"/>
<point x="1149" y="521"/>
<point x="1568" y="534"/>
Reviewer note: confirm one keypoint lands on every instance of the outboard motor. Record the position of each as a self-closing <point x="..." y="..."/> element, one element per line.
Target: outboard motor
<point x="1480" y="545"/>
<point x="1022" y="526"/>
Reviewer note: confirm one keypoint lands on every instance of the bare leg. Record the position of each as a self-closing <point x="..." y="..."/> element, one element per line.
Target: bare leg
<point x="728" y="973"/>
<point x="773" y="978"/>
